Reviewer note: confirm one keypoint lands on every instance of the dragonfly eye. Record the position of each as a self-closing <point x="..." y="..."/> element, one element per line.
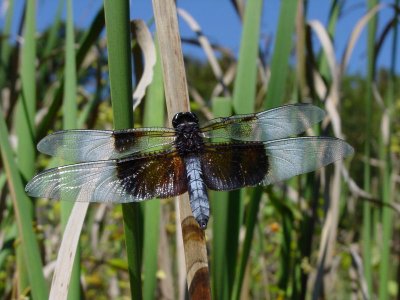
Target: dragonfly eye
<point x="184" y="117"/>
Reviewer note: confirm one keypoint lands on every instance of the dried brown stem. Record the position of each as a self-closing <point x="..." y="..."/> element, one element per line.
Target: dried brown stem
<point x="177" y="98"/>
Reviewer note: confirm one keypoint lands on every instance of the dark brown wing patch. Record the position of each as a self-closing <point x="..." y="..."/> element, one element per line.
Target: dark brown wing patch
<point x="160" y="175"/>
<point x="232" y="166"/>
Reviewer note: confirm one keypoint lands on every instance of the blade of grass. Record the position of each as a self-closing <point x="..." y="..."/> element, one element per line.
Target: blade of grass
<point x="153" y="116"/>
<point x="27" y="103"/>
<point x="25" y="114"/>
<point x="119" y="60"/>
<point x="69" y="122"/>
<point x="387" y="214"/>
<point x="244" y="95"/>
<point x="367" y="229"/>
<point x="70" y="110"/>
<point x="303" y="90"/>
<point x="22" y="211"/>
<point x="220" y="206"/>
<point x="274" y="97"/>
<point x="246" y="77"/>
<point x="177" y="97"/>
<point x="280" y="57"/>
<point x="5" y="47"/>
<point x="251" y="220"/>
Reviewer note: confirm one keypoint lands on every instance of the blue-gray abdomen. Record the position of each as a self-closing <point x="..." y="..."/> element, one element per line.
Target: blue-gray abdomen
<point x="197" y="190"/>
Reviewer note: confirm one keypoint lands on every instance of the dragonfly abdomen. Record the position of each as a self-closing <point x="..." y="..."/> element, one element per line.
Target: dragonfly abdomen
<point x="197" y="191"/>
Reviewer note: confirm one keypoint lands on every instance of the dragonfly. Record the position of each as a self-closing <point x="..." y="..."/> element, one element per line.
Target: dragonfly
<point x="223" y="154"/>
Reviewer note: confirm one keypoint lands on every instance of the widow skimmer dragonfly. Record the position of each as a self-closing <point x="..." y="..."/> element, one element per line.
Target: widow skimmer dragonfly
<point x="223" y="154"/>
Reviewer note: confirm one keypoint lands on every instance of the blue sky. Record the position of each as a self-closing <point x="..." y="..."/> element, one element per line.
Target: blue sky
<point x="220" y="23"/>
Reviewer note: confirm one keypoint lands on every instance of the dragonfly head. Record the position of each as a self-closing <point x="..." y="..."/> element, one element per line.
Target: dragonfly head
<point x="184" y="117"/>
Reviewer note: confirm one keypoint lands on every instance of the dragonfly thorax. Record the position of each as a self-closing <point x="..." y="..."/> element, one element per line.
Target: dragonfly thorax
<point x="188" y="139"/>
<point x="188" y="135"/>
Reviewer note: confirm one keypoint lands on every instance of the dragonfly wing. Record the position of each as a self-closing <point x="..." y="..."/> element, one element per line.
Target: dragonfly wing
<point x="131" y="179"/>
<point x="93" y="145"/>
<point x="229" y="166"/>
<point x="295" y="156"/>
<point x="273" y="124"/>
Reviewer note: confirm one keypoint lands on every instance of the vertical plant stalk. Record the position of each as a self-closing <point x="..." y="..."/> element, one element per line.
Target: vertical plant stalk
<point x="280" y="57"/>
<point x="25" y="114"/>
<point x="274" y="97"/>
<point x="5" y="46"/>
<point x="387" y="186"/>
<point x="69" y="122"/>
<point x="154" y="113"/>
<point x="367" y="213"/>
<point x="244" y="95"/>
<point x="177" y="99"/>
<point x="251" y="222"/>
<point x="119" y="60"/>
<point x="301" y="65"/>
<point x="221" y="106"/>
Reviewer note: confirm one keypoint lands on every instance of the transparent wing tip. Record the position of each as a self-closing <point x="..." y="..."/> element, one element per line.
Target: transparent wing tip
<point x="348" y="150"/>
<point x="33" y="188"/>
<point x="46" y="145"/>
<point x="42" y="185"/>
